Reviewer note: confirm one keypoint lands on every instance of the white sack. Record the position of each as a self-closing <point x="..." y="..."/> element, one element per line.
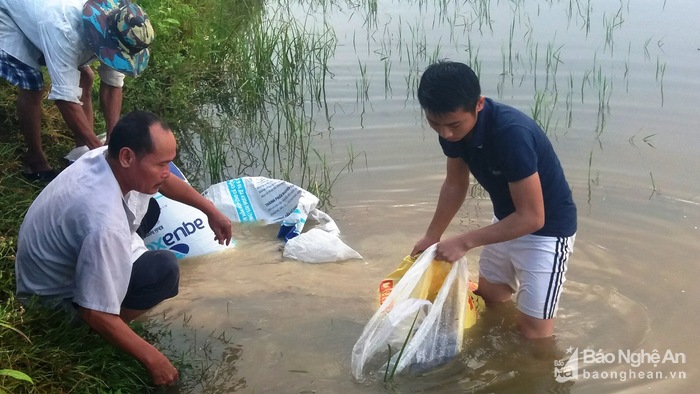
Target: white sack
<point x="318" y="246"/>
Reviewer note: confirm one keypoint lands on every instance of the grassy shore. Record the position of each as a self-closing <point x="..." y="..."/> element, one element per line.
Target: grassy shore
<point x="239" y="91"/>
<point x="39" y="352"/>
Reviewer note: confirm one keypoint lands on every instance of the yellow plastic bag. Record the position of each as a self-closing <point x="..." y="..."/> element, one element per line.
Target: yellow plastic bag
<point x="429" y="286"/>
<point x="413" y="334"/>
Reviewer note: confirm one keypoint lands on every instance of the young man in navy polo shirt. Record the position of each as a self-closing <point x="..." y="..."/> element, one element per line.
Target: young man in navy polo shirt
<point x="527" y="247"/>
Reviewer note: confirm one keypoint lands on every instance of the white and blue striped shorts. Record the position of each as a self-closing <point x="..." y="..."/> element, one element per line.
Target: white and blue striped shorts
<point x="534" y="267"/>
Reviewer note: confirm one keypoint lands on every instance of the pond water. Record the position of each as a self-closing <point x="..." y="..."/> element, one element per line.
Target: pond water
<point x="615" y="84"/>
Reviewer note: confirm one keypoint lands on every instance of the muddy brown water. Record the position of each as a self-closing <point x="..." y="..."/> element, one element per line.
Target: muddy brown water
<point x="256" y="323"/>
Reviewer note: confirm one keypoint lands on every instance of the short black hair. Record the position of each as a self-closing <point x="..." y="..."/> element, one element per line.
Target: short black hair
<point x="447" y="86"/>
<point x="132" y="131"/>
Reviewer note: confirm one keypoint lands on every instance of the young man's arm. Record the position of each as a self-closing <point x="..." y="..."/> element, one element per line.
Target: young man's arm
<point x="76" y="120"/>
<point x="115" y="331"/>
<point x="452" y="195"/>
<point x="527" y="218"/>
<point x="179" y="190"/>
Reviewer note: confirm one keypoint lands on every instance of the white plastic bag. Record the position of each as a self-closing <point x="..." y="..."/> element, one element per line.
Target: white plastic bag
<point x="318" y="246"/>
<point x="251" y="199"/>
<point x="434" y="329"/>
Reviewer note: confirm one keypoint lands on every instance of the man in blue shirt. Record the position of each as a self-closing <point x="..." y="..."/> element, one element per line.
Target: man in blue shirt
<point x="526" y="248"/>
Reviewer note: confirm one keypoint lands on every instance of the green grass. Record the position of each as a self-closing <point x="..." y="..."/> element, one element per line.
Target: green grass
<point x="389" y="375"/>
<point x="243" y="91"/>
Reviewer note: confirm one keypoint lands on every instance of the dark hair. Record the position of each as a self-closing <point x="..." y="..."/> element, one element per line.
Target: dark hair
<point x="447" y="86"/>
<point x="132" y="131"/>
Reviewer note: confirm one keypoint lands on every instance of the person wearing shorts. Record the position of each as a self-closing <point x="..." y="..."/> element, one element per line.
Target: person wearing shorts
<point x="66" y="36"/>
<point x="79" y="247"/>
<point x="526" y="249"/>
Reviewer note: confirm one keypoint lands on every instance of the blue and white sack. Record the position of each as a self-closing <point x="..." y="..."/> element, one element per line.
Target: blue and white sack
<point x="181" y="228"/>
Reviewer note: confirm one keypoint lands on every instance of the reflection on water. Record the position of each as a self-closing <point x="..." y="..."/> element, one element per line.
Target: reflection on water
<point x="497" y="359"/>
<point x="617" y="95"/>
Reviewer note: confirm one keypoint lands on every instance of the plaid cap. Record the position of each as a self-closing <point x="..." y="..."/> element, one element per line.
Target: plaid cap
<point x="119" y="33"/>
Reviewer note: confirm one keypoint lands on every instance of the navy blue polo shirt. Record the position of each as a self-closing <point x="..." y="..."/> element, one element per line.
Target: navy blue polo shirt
<point x="506" y="146"/>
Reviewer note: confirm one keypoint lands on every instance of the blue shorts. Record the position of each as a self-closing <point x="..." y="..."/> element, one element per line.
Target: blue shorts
<point x="20" y="74"/>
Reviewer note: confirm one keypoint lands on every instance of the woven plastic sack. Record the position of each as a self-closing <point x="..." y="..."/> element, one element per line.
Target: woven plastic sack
<point x="409" y="332"/>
